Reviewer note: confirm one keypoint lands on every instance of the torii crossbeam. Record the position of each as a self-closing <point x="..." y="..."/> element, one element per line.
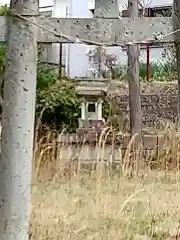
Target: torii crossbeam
<point x="105" y="28"/>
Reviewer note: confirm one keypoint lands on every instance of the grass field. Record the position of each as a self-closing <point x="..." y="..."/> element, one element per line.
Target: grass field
<point x="99" y="206"/>
<point x="103" y="203"/>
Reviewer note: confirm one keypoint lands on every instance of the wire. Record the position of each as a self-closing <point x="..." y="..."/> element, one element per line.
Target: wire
<point x="60" y="35"/>
<point x="157" y="37"/>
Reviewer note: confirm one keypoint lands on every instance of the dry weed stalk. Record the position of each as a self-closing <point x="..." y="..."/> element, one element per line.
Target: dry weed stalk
<point x="49" y="154"/>
<point x="102" y="203"/>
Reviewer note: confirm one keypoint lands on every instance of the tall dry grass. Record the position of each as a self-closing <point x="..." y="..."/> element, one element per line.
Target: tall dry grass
<point x="72" y="200"/>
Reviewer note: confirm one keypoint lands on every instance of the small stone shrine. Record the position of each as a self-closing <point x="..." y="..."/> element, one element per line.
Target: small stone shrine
<point x="91" y="93"/>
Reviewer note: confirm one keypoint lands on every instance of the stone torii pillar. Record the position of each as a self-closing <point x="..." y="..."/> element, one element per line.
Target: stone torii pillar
<point x="106" y="9"/>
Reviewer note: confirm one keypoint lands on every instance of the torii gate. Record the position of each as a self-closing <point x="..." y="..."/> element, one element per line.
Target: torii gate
<point x="106" y="29"/>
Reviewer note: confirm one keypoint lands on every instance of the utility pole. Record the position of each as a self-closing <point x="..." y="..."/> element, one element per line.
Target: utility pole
<point x="176" y="23"/>
<point x="133" y="75"/>
<point x="18" y="121"/>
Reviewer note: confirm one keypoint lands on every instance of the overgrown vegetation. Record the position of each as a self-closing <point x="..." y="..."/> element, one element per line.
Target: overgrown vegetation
<point x="56" y="99"/>
<point x="4" y="10"/>
<point x="159" y="71"/>
<point x="98" y="200"/>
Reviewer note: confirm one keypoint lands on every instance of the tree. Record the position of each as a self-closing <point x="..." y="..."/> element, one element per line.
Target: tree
<point x="18" y="121"/>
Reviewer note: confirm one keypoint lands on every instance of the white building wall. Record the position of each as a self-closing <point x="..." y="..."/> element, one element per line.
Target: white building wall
<point x="155" y="55"/>
<point x="60" y="10"/>
<point x="152" y="3"/>
<point x="78" y="61"/>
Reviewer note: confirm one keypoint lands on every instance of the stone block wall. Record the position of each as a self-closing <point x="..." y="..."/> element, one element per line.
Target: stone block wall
<point x="159" y="102"/>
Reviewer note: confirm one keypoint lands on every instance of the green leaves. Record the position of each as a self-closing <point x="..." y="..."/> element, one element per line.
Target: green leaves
<point x="45" y="78"/>
<point x="59" y="99"/>
<point x="4" y="9"/>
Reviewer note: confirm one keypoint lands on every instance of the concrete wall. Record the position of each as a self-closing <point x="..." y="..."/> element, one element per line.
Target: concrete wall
<point x="88" y="152"/>
<point x="154" y="144"/>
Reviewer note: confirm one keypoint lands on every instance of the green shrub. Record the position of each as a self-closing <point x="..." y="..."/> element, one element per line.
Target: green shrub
<point x="59" y="103"/>
<point x="158" y="71"/>
<point x="4" y="10"/>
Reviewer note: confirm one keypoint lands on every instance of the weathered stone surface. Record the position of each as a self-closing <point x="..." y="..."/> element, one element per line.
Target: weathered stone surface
<point x="158" y="100"/>
<point x="151" y="140"/>
<point x="106" y="9"/>
<point x="99" y="30"/>
<point x="95" y="30"/>
<point x="106" y="30"/>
